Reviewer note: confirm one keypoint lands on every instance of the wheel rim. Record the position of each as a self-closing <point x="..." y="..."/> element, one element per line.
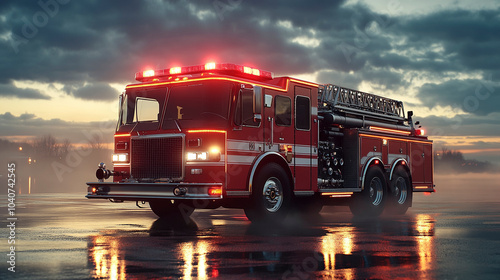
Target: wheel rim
<point x="273" y="194"/>
<point x="376" y="191"/>
<point x="401" y="190"/>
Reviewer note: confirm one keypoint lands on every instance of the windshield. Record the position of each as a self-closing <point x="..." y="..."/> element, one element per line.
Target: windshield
<point x="198" y="106"/>
<point x="184" y="106"/>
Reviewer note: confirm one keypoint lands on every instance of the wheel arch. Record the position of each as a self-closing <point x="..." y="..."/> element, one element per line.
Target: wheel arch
<point x="264" y="159"/>
<point x="404" y="164"/>
<point x="371" y="162"/>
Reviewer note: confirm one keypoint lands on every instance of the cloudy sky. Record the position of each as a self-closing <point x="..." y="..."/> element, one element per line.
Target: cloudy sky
<point x="63" y="63"/>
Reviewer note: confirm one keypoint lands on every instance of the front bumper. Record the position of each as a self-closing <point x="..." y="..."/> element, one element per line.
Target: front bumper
<point x="151" y="191"/>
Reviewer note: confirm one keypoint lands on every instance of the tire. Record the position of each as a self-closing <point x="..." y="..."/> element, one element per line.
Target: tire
<point x="171" y="209"/>
<point x="371" y="201"/>
<point x="271" y="195"/>
<point x="401" y="193"/>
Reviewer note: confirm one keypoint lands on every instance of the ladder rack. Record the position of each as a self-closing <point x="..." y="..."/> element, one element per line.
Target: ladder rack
<point x="361" y="104"/>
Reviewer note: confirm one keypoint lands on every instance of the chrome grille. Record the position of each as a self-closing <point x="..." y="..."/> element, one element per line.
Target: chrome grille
<point x="157" y="157"/>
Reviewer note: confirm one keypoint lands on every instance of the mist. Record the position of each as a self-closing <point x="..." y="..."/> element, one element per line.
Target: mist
<point x="67" y="173"/>
<point x="470" y="189"/>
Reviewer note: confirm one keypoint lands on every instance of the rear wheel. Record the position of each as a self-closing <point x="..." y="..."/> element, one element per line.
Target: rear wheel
<point x="171" y="209"/>
<point x="271" y="195"/>
<point x="371" y="201"/>
<point x="401" y="194"/>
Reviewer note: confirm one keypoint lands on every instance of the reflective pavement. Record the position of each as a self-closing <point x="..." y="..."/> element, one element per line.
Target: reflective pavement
<point x="61" y="236"/>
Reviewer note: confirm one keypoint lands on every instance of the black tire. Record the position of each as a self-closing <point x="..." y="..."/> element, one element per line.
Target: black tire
<point x="271" y="195"/>
<point x="371" y="201"/>
<point x="171" y="209"/>
<point x="400" y="193"/>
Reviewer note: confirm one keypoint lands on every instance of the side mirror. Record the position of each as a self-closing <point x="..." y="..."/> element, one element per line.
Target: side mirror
<point x="120" y="111"/>
<point x="257" y="99"/>
<point x="257" y="103"/>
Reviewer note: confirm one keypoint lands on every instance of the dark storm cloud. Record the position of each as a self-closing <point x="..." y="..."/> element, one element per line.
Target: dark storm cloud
<point x="9" y="90"/>
<point x="98" y="42"/>
<point x="98" y="91"/>
<point x="468" y="43"/>
<point x="477" y="97"/>
<point x="471" y="35"/>
<point x="109" y="41"/>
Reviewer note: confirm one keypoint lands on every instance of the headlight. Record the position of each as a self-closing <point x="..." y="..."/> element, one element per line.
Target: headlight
<point x="213" y="155"/>
<point x="120" y="158"/>
<point x="195" y="156"/>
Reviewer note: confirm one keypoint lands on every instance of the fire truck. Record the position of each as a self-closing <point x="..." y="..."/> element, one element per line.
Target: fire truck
<point x="227" y="135"/>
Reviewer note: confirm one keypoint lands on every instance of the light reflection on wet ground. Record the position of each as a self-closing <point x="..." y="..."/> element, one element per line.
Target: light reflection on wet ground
<point x="67" y="237"/>
<point x="347" y="249"/>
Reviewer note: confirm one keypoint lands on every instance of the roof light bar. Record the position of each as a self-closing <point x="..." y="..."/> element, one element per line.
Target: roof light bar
<point x="238" y="70"/>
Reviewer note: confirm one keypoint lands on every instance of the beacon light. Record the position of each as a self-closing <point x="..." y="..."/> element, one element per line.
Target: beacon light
<point x="210" y="66"/>
<point x="148" y="73"/>
<point x="419" y="132"/>
<point x="175" y="70"/>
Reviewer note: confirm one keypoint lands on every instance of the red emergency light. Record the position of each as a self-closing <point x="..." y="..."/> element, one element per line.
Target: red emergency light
<point x="211" y="67"/>
<point x="419" y="132"/>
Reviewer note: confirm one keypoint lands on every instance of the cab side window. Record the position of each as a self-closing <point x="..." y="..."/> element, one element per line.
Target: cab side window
<point x="283" y="111"/>
<point x="244" y="109"/>
<point x="302" y="113"/>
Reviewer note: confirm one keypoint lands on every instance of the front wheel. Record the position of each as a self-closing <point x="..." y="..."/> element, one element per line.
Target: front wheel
<point x="171" y="209"/>
<point x="271" y="196"/>
<point x="371" y="201"/>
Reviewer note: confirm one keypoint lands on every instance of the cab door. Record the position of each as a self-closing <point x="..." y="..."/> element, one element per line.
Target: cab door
<point x="303" y="149"/>
<point x="277" y="119"/>
<point x="245" y="140"/>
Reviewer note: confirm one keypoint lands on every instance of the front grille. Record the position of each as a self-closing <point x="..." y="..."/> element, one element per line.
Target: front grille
<point x="154" y="158"/>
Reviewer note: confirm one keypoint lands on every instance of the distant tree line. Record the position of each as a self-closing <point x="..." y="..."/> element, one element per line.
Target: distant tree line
<point x="47" y="164"/>
<point x="447" y="160"/>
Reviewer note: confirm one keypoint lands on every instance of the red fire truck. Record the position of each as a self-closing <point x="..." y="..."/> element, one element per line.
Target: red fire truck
<point x="234" y="136"/>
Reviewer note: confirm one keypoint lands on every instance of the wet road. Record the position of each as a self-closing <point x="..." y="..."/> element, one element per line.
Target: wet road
<point x="65" y="236"/>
